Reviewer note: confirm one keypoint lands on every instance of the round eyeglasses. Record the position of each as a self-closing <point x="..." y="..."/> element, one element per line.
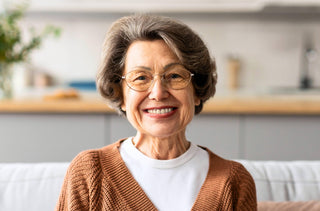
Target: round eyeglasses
<point x="142" y="80"/>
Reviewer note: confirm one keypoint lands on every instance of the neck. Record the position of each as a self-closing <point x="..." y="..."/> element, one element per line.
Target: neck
<point x="161" y="148"/>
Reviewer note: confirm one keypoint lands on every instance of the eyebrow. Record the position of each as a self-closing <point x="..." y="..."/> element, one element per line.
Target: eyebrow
<point x="164" y="68"/>
<point x="171" y="64"/>
<point x="142" y="67"/>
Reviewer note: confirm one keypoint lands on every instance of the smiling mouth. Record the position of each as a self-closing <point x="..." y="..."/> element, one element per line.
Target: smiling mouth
<point x="160" y="111"/>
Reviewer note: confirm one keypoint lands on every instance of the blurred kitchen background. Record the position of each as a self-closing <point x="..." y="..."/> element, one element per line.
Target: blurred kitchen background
<point x="269" y="38"/>
<point x="266" y="51"/>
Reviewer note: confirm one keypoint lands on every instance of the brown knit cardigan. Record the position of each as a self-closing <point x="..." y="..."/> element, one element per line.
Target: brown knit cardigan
<point x="99" y="180"/>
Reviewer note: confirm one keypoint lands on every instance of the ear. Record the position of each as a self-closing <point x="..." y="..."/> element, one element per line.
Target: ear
<point x="197" y="101"/>
<point x="123" y="106"/>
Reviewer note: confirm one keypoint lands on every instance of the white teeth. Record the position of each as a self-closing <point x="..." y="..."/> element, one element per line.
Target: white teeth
<point x="160" y="111"/>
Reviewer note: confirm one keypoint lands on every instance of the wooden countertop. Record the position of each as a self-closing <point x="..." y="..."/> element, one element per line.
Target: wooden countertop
<point x="297" y="105"/>
<point x="271" y="105"/>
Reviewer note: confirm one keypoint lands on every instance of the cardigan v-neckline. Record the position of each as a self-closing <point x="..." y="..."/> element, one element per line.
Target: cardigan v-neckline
<point x="208" y="198"/>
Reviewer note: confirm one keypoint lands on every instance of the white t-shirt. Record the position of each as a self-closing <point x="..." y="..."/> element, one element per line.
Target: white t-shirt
<point x="170" y="184"/>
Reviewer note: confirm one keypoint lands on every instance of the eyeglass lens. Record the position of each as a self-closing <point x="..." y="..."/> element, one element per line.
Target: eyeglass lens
<point x="141" y="80"/>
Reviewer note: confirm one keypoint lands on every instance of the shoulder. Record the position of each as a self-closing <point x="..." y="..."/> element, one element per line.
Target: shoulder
<point x="229" y="166"/>
<point x="85" y="158"/>
<point x="90" y="161"/>
<point x="233" y="172"/>
<point x="93" y="155"/>
<point x="83" y="166"/>
<point x="237" y="181"/>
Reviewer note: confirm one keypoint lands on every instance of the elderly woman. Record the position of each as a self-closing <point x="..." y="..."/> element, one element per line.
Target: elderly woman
<point x="158" y="73"/>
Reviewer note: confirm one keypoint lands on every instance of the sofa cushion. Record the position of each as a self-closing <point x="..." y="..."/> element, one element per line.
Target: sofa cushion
<point x="285" y="180"/>
<point x="26" y="186"/>
<point x="289" y="206"/>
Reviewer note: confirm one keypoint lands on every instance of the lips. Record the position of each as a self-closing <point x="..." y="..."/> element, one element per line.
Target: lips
<point x="161" y="111"/>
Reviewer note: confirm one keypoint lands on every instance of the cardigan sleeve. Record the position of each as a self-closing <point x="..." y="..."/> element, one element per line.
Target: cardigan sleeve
<point x="78" y="184"/>
<point x="245" y="190"/>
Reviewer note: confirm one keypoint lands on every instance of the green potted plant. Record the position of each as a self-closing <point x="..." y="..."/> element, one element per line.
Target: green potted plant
<point x="13" y="49"/>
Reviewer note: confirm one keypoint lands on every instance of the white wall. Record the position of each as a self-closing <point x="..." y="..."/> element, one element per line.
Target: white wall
<point x="269" y="45"/>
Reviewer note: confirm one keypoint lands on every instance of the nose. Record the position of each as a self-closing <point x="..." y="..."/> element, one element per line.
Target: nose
<point x="158" y="90"/>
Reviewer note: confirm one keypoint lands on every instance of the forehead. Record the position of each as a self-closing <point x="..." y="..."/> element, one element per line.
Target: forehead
<point x="151" y="54"/>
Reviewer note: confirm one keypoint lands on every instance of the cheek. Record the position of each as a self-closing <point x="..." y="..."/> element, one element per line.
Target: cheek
<point x="127" y="98"/>
<point x="189" y="106"/>
<point x="131" y="100"/>
<point x="193" y="100"/>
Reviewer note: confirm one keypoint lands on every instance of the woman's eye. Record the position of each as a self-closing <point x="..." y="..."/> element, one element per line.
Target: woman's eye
<point x="174" y="76"/>
<point x="141" y="78"/>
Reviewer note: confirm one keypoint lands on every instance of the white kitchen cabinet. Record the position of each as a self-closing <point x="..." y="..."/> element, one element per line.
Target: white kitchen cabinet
<point x="49" y="137"/>
<point x="59" y="137"/>
<point x="259" y="137"/>
<point x="281" y="137"/>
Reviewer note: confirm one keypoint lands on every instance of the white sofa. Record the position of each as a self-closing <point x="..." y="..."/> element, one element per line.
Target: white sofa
<point x="36" y="186"/>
